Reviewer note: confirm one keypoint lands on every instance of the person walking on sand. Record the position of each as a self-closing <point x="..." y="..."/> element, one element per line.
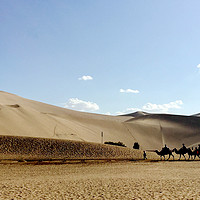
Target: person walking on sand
<point x="144" y="155"/>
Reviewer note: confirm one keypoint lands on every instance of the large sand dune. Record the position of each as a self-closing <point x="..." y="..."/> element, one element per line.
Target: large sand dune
<point x="23" y="117"/>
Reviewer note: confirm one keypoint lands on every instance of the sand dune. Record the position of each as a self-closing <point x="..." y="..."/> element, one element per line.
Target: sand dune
<point x="196" y="115"/>
<point x="23" y="117"/>
<point x="136" y="114"/>
<point x="18" y="148"/>
<point x="158" y="129"/>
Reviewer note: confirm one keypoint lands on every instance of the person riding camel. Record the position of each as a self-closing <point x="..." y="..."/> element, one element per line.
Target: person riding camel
<point x="198" y="147"/>
<point x="165" y="148"/>
<point x="198" y="150"/>
<point x="184" y="147"/>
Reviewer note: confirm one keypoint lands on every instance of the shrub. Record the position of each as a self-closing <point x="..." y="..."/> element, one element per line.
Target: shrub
<point x="116" y="143"/>
<point x="136" y="145"/>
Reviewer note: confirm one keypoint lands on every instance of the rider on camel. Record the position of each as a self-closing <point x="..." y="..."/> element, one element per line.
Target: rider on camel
<point x="165" y="148"/>
<point x="198" y="150"/>
<point x="184" y="147"/>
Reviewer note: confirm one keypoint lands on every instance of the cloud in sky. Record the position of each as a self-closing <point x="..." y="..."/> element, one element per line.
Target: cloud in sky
<point x="85" y="78"/>
<point x="198" y="66"/>
<point x="77" y="104"/>
<point x="159" y="108"/>
<point x="129" y="91"/>
<point x="162" y="107"/>
<point x="107" y="113"/>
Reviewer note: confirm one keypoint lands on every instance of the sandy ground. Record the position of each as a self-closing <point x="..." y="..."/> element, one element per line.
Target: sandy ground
<point x="121" y="180"/>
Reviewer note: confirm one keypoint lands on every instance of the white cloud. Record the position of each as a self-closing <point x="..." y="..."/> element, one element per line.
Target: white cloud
<point x="162" y="107"/>
<point x="150" y="107"/>
<point x="198" y="66"/>
<point x="121" y="113"/>
<point x="77" y="104"/>
<point x="129" y="91"/>
<point x="85" y="78"/>
<point x="107" y="113"/>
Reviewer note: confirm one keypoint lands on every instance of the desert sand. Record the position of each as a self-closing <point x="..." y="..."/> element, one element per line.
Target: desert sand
<point x="31" y="130"/>
<point x="121" y="180"/>
<point x="20" y="148"/>
<point x="24" y="117"/>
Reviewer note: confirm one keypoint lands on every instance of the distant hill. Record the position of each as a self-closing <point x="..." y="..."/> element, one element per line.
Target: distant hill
<point x="188" y="121"/>
<point x="136" y="114"/>
<point x="173" y="130"/>
<point x="196" y="115"/>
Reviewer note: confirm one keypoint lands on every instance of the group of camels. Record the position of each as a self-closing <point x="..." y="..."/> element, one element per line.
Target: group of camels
<point x="181" y="152"/>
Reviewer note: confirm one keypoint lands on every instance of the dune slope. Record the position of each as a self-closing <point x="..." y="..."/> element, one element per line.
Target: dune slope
<point x="24" y="117"/>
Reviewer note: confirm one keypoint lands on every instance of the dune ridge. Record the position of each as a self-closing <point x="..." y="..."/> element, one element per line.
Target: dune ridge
<point x="28" y="118"/>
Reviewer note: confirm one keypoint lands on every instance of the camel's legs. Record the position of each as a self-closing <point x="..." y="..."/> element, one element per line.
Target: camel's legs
<point x="179" y="157"/>
<point x="184" y="156"/>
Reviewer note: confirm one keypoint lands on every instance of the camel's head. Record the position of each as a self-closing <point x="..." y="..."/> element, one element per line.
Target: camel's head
<point x="156" y="151"/>
<point x="174" y="149"/>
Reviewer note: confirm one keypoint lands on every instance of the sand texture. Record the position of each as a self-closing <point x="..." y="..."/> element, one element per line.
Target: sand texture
<point x="24" y="117"/>
<point x="29" y="148"/>
<point x="122" y="180"/>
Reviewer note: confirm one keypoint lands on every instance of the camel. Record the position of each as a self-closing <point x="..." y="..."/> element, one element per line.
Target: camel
<point x="163" y="152"/>
<point x="193" y="153"/>
<point x="181" y="152"/>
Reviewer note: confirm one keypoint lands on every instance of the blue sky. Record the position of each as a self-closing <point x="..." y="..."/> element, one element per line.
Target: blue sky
<point x="103" y="56"/>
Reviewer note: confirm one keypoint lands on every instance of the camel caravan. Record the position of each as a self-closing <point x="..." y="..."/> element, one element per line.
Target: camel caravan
<point x="192" y="153"/>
